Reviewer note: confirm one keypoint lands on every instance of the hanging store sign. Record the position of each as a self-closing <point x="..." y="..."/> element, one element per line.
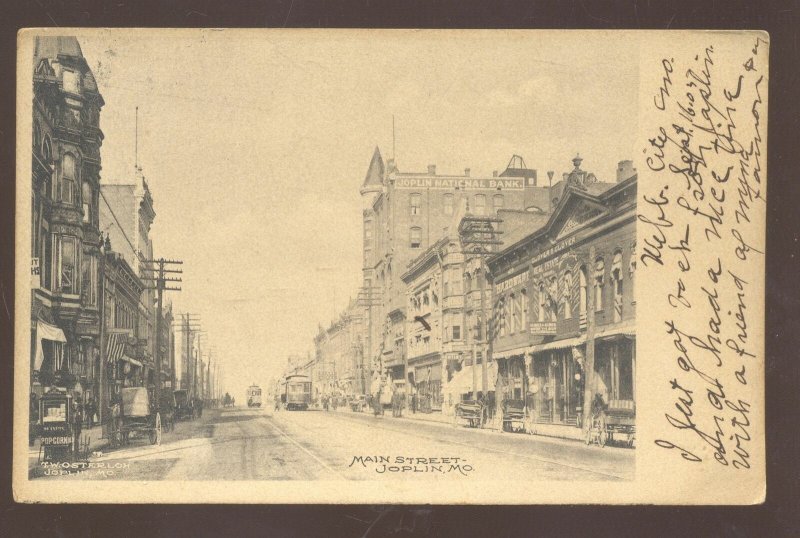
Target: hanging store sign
<point x="543" y="328"/>
<point x="448" y="183"/>
<point x="36" y="273"/>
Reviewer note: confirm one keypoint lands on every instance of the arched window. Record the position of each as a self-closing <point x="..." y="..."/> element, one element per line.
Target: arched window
<point x="616" y="280"/>
<point x="523" y="298"/>
<point x="47" y="150"/>
<point x="542" y="302"/>
<point x="467" y="282"/>
<point x="37" y="137"/>
<point x="567" y="295"/>
<point x="583" y="300"/>
<point x="498" y="202"/>
<point x="552" y="299"/>
<point x="599" y="281"/>
<point x="447" y="202"/>
<point x="415" y="201"/>
<point x="480" y="204"/>
<point x="68" y="178"/>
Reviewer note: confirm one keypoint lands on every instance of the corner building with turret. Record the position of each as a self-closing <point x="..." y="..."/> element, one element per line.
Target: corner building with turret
<point x="404" y="213"/>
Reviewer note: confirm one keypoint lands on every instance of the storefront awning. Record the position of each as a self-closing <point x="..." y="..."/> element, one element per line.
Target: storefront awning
<point x="560" y="344"/>
<point x="45" y="331"/>
<point x="512" y="352"/>
<point x="462" y="381"/>
<point x="627" y="329"/>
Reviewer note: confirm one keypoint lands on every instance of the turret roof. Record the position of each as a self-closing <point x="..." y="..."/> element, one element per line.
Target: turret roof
<point x="374" y="177"/>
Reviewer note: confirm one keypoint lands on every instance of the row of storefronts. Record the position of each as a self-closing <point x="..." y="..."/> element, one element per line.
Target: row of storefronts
<point x="545" y="316"/>
<point x="92" y="308"/>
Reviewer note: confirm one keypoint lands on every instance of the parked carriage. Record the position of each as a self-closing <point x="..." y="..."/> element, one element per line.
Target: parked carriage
<point x="616" y="423"/>
<point x="135" y="413"/>
<point x="515" y="416"/>
<point x="471" y="413"/>
<point x="184" y="406"/>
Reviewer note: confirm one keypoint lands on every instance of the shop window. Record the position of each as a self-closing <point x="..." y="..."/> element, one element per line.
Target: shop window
<point x="480" y="204"/>
<point x="447" y="200"/>
<point x="498" y="202"/>
<point x="416" y="237"/>
<point x="599" y="281"/>
<point x="68" y="177"/>
<point x="567" y="295"/>
<point x="616" y="281"/>
<point x="415" y="201"/>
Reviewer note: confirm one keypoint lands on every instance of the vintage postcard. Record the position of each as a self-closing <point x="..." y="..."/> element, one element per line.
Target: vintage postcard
<point x="372" y="266"/>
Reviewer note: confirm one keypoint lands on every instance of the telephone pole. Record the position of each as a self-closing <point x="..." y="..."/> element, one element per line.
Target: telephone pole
<point x="160" y="267"/>
<point x="479" y="239"/>
<point x="190" y="326"/>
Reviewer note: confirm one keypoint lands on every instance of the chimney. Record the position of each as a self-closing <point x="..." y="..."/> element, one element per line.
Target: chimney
<point x="466" y="172"/>
<point x="494" y="173"/>
<point x="625" y="170"/>
<point x="431" y="169"/>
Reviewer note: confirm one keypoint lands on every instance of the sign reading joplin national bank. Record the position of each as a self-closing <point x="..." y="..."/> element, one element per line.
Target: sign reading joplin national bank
<point x="510" y="184"/>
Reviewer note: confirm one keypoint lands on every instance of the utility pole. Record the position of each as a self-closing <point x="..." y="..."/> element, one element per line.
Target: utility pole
<point x="161" y="285"/>
<point x="367" y="300"/>
<point x="190" y="326"/>
<point x="479" y="238"/>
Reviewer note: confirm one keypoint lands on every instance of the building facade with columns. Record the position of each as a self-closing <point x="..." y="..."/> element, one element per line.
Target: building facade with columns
<point x="564" y="310"/>
<point x="65" y="234"/>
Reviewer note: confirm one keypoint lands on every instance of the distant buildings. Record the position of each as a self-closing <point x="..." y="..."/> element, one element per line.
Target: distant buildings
<point x="404" y="214"/>
<point x="545" y="317"/>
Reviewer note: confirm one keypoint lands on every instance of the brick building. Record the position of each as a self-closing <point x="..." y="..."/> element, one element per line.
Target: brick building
<point x="404" y="214"/>
<point x="65" y="234"/>
<point x="564" y="307"/>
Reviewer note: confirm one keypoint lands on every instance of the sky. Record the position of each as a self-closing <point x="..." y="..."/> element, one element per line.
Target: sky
<point x="254" y="145"/>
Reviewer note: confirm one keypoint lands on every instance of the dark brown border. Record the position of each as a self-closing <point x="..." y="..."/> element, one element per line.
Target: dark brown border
<point x="778" y="517"/>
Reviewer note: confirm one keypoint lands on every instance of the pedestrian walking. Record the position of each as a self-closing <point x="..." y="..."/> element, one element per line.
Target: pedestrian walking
<point x="90" y="410"/>
<point x="77" y="423"/>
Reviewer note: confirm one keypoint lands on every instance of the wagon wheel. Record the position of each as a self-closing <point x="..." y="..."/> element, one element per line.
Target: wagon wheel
<point x="155" y="433"/>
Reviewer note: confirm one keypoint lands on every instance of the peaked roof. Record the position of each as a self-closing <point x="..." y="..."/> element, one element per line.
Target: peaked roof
<point x="374" y="177"/>
<point x="48" y="46"/>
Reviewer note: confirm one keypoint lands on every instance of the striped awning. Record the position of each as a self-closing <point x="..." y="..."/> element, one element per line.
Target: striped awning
<point x="508" y="353"/>
<point x="560" y="344"/>
<point x="619" y="330"/>
<point x="115" y="347"/>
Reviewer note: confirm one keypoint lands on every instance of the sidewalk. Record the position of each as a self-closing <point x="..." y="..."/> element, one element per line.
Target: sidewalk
<point x="92" y="436"/>
<point x="542" y="433"/>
